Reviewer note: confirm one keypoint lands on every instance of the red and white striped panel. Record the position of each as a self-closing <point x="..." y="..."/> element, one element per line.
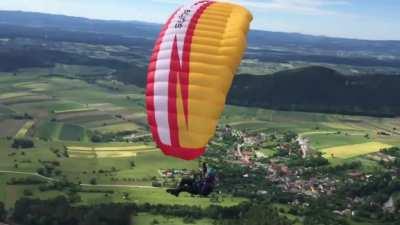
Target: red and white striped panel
<point x="171" y="55"/>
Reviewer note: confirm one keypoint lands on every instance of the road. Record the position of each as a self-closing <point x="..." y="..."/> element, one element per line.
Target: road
<point x="28" y="173"/>
<point x="117" y="186"/>
<point x="316" y="132"/>
<point x="304" y="146"/>
<point x="83" y="185"/>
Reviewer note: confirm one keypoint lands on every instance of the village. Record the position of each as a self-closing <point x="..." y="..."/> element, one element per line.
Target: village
<point x="281" y="171"/>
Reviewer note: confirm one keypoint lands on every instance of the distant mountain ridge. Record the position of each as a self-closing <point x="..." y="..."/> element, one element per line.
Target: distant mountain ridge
<point x="43" y="40"/>
<point x="33" y="19"/>
<point x="150" y="30"/>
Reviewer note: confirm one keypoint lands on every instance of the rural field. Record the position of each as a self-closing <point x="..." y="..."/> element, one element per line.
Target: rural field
<point x="322" y="130"/>
<point x="149" y="219"/>
<point x="62" y="122"/>
<point x="350" y="151"/>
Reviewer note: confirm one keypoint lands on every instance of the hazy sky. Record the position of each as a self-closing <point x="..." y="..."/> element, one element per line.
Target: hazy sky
<point x="366" y="19"/>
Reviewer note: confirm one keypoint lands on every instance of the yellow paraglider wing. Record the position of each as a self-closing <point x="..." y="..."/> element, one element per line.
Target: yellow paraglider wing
<point x="190" y="73"/>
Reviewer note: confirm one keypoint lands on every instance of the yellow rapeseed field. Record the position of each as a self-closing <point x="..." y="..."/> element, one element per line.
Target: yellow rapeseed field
<point x="24" y="129"/>
<point x="108" y="152"/>
<point x="349" y="151"/>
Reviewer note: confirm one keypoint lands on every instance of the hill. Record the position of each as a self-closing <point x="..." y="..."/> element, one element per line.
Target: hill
<point x="319" y="89"/>
<point x="257" y="38"/>
<point x="32" y="19"/>
<point x="309" y="73"/>
<point x="262" y="38"/>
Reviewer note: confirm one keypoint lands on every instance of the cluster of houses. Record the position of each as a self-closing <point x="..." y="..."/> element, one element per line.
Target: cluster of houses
<point x="175" y="173"/>
<point x="289" y="180"/>
<point x="246" y="144"/>
<point x="249" y="140"/>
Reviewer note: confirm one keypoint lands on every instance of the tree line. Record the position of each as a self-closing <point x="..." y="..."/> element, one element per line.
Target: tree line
<point x="61" y="211"/>
<point x="319" y="89"/>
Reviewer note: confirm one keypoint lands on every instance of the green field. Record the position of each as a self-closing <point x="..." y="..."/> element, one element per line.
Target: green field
<point x="64" y="106"/>
<point x="10" y="127"/>
<point x="67" y="111"/>
<point x="323" y="130"/>
<point x="33" y="86"/>
<point x="74" y="110"/>
<point x="150" y="219"/>
<point x="48" y="130"/>
<point x="117" y="127"/>
<point x="322" y="141"/>
<point x="13" y="95"/>
<point x="156" y="196"/>
<point x="71" y="132"/>
<point x="5" y="111"/>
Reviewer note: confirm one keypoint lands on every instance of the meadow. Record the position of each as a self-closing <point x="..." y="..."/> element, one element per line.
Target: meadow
<point x="59" y="114"/>
<point x="150" y="219"/>
<point x="323" y="130"/>
<point x="350" y="151"/>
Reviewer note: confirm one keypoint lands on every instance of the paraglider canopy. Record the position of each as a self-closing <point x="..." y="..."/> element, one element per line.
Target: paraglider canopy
<point x="190" y="73"/>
